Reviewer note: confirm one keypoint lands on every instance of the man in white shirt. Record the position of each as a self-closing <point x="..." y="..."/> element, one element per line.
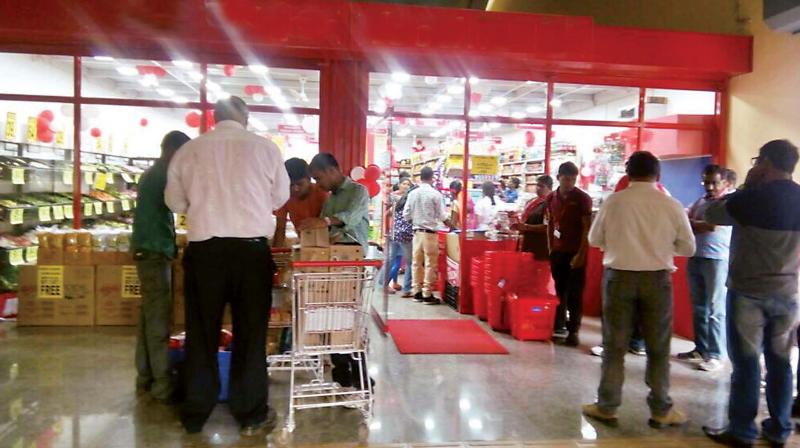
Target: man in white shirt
<point x="640" y="230"/>
<point x="228" y="182"/>
<point x="425" y="211"/>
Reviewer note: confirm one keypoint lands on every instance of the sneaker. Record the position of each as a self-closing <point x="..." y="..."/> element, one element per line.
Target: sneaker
<point x="725" y="437"/>
<point x="407" y="295"/>
<point x="396" y="286"/>
<point x="418" y="297"/>
<point x="673" y="418"/>
<point x="597" y="350"/>
<point x="266" y="425"/>
<point x="594" y="411"/>
<point x="712" y="365"/>
<point x="692" y="356"/>
<point x="572" y="340"/>
<point x="430" y="301"/>
<point x="638" y="351"/>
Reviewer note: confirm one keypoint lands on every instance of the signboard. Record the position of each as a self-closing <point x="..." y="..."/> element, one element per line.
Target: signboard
<point x="11" y="126"/>
<point x="32" y="129"/>
<point x="484" y="164"/>
<point x="290" y="129"/>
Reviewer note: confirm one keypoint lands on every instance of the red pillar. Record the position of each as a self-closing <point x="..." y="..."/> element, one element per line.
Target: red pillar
<point x="343" y="112"/>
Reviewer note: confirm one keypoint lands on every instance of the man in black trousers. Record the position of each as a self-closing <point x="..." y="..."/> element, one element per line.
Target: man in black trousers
<point x="228" y="182"/>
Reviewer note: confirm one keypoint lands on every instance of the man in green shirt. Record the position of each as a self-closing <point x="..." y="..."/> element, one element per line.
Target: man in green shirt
<point x="153" y="247"/>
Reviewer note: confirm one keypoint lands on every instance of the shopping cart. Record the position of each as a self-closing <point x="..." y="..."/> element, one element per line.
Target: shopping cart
<point x="329" y="316"/>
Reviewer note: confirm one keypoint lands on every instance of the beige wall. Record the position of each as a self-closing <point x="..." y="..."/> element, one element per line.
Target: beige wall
<point x="712" y="16"/>
<point x="764" y="104"/>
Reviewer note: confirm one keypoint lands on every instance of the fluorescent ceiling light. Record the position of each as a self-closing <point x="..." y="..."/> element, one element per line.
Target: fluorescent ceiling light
<point x="485" y="107"/>
<point x="149" y="80"/>
<point x="180" y="99"/>
<point x="127" y="70"/>
<point x="556" y="102"/>
<point x="103" y="58"/>
<point x="533" y="109"/>
<point x="163" y="91"/>
<point x="499" y="101"/>
<point x="474" y="113"/>
<point x="401" y="77"/>
<point x="529" y="82"/>
<point x="197" y="76"/>
<point x="443" y="99"/>
<point x="431" y="80"/>
<point x="258" y="69"/>
<point x="257" y="97"/>
<point x="282" y="104"/>
<point x="518" y="115"/>
<point x="473" y="80"/>
<point x="182" y="63"/>
<point x="291" y="119"/>
<point x="454" y="89"/>
<point x="274" y="91"/>
<point x="394" y="91"/>
<point x="380" y="106"/>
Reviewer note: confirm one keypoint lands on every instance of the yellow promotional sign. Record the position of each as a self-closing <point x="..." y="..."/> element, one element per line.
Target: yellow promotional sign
<point x="60" y="138"/>
<point x="131" y="287"/>
<point x="18" y="176"/>
<point x="50" y="282"/>
<point x="68" y="213"/>
<point x="11" y="126"/>
<point x="485" y="164"/>
<point x="87" y="209"/>
<point x="17" y="215"/>
<point x="32" y="254"/>
<point x="100" y="181"/>
<point x="32" y="129"/>
<point x="58" y="213"/>
<point x="44" y="214"/>
<point x="16" y="257"/>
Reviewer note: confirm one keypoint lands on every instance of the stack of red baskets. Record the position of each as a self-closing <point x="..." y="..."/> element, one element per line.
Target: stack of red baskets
<point x="502" y="276"/>
<point x="477" y="282"/>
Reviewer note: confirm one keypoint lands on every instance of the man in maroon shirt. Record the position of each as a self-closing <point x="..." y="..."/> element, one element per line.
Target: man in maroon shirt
<point x="569" y="216"/>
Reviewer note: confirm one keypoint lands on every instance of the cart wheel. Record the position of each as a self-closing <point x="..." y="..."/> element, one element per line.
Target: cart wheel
<point x="285" y="437"/>
<point x="289" y="428"/>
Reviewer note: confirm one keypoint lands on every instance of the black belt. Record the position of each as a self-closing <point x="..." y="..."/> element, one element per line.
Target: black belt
<point x="424" y="230"/>
<point x="259" y="240"/>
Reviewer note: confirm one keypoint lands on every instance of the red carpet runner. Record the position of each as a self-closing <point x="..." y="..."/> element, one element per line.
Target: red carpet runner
<point x="440" y="337"/>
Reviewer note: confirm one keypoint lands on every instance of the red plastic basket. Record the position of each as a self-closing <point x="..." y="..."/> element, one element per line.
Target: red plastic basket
<point x="502" y="277"/>
<point x="477" y="280"/>
<point x="532" y="316"/>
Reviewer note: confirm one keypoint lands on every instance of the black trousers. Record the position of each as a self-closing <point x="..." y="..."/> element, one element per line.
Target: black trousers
<point x="345" y="371"/>
<point x="569" y="287"/>
<point x="218" y="271"/>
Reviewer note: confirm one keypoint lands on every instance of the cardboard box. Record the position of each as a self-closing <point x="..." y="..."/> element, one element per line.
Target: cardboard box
<point x="118" y="295"/>
<point x="77" y="256"/>
<point x="346" y="288"/>
<point x="50" y="256"/>
<point x="179" y="299"/>
<point x="314" y="254"/>
<point x="104" y="258"/>
<point x="56" y="296"/>
<point x="125" y="258"/>
<point x="315" y="238"/>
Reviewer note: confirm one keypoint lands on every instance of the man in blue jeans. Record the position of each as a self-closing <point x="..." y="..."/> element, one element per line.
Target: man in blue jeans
<point x="762" y="294"/>
<point x="707" y="272"/>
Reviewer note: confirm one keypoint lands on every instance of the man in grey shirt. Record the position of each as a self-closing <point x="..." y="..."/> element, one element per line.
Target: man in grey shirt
<point x="762" y="293"/>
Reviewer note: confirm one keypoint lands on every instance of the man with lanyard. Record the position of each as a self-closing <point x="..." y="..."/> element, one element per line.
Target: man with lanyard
<point x="570" y="216"/>
<point x="346" y="215"/>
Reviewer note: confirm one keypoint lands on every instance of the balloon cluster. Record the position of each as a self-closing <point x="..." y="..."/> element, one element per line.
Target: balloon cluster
<point x="368" y="177"/>
<point x="193" y="119"/>
<point x="44" y="133"/>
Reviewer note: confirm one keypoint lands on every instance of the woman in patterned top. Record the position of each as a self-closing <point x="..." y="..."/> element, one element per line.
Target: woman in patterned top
<point x="400" y="240"/>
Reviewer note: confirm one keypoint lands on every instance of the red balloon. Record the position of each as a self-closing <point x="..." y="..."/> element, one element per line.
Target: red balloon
<point x="530" y="139"/>
<point x="95" y="132"/>
<point x="47" y="114"/>
<point x="45" y="136"/>
<point x="193" y="119"/>
<point x="143" y="122"/>
<point x="374" y="189"/>
<point x="373" y="173"/>
<point x="42" y="125"/>
<point x="210" y="121"/>
<point x="229" y="70"/>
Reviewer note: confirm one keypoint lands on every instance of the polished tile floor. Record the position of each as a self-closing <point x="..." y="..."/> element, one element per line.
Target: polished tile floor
<point x="73" y="387"/>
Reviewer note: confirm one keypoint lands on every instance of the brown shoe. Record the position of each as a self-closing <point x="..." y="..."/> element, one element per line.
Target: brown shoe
<point x="594" y="411"/>
<point x="673" y="418"/>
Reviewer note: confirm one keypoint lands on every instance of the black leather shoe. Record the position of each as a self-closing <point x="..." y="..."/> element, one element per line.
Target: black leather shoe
<point x="572" y="340"/>
<point x="418" y="297"/>
<point x="265" y="426"/>
<point x="430" y="300"/>
<point x="724" y="437"/>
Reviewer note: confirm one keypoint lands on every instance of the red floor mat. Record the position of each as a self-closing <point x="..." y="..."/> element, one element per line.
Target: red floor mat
<point x="440" y="337"/>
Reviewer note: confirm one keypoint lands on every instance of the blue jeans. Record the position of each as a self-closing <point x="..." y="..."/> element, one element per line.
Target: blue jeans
<point x="707" y="289"/>
<point x="756" y="325"/>
<point x="397" y="253"/>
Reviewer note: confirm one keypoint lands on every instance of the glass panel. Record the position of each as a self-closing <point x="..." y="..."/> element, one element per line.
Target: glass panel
<point x="668" y="106"/>
<point x="295" y="135"/>
<point x="33" y="74"/>
<point x="105" y="77"/>
<point x="515" y="99"/>
<point x="677" y="142"/>
<point x="259" y="84"/>
<point x="598" y="151"/>
<point x="591" y="102"/>
<point x="521" y="150"/>
<point x="427" y="95"/>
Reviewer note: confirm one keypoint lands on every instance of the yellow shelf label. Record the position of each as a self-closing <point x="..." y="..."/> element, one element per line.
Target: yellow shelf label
<point x="18" y="176"/>
<point x="110" y="207"/>
<point x="16" y="257"/>
<point x="98" y="208"/>
<point x="58" y="212"/>
<point x="60" y="138"/>
<point x="32" y="129"/>
<point x="88" y="210"/>
<point x="17" y="215"/>
<point x="66" y="177"/>
<point x="100" y="181"/>
<point x="11" y="126"/>
<point x="44" y="214"/>
<point x="32" y="254"/>
<point x="180" y="222"/>
<point x="68" y="213"/>
<point x="126" y="205"/>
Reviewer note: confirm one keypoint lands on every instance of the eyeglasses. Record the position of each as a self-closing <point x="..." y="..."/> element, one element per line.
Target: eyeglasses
<point x="754" y="161"/>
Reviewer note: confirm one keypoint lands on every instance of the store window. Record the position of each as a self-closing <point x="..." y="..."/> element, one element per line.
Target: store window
<point x="674" y="106"/>
<point x="106" y="77"/>
<point x="426" y="95"/>
<point x="671" y="143"/>
<point x="33" y="74"/>
<point x="258" y="84"/>
<point x="513" y="99"/>
<point x="295" y="135"/>
<point x="520" y="150"/>
<point x="593" y="102"/>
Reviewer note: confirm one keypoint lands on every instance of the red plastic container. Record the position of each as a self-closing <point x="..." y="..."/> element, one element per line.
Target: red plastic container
<point x="477" y="280"/>
<point x="532" y="316"/>
<point x="536" y="278"/>
<point x="502" y="277"/>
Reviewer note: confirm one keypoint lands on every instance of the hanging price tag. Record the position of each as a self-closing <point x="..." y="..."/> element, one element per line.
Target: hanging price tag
<point x="60" y="138"/>
<point x="18" y="176"/>
<point x="137" y="177"/>
<point x="32" y="129"/>
<point x="16" y="215"/>
<point x="31" y="254"/>
<point x="66" y="177"/>
<point x="68" y="213"/>
<point x="100" y="181"/>
<point x="110" y="207"/>
<point x="88" y="177"/>
<point x="88" y="210"/>
<point x="58" y="212"/>
<point x="126" y="205"/>
<point x="127" y="178"/>
<point x="109" y="178"/>
<point x="16" y="257"/>
<point x="99" y="144"/>
<point x="11" y="126"/>
<point x="98" y="208"/>
<point x="44" y="214"/>
<point x="180" y="221"/>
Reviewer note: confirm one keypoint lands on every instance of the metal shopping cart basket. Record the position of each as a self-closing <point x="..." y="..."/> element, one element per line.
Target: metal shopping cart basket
<point x="329" y="316"/>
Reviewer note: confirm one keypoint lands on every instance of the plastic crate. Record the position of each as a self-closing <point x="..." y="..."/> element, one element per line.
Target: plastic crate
<point x="532" y="316"/>
<point x="176" y="358"/>
<point x="451" y="295"/>
<point x="478" y="281"/>
<point x="502" y="276"/>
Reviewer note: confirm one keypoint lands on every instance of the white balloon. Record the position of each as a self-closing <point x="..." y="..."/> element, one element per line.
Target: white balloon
<point x="67" y="110"/>
<point x="357" y="173"/>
